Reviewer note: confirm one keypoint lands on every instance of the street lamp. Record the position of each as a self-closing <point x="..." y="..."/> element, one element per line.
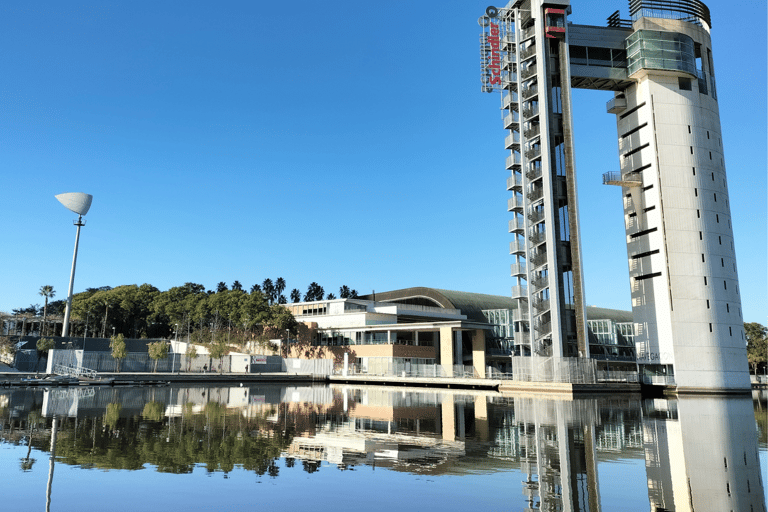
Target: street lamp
<point x="176" y="334"/>
<point x="78" y="203"/>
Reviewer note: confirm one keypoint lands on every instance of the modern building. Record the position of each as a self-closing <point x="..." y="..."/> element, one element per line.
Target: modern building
<point x="680" y="250"/>
<point x="415" y="329"/>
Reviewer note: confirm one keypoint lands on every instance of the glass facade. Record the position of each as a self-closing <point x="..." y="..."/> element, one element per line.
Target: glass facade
<point x="652" y="49"/>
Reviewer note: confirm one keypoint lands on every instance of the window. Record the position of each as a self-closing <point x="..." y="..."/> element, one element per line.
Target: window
<point x="707" y="134"/>
<point x="701" y="237"/>
<point x="710" y="155"/>
<point x="685" y="85"/>
<point x="702" y="258"/>
<point x="722" y="262"/>
<point x="715" y="196"/>
<point x="691" y="149"/>
<point x="694" y="171"/>
<point x="713" y="176"/>
<point x="710" y="327"/>
<point x="696" y="193"/>
<point x="707" y="299"/>
<point x="720" y="240"/>
<point x="689" y="128"/>
<point x="705" y="284"/>
<point x="727" y="308"/>
<point x="717" y="218"/>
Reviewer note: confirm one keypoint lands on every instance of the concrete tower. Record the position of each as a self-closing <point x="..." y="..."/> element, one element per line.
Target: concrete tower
<point x="685" y="294"/>
<point x="682" y="264"/>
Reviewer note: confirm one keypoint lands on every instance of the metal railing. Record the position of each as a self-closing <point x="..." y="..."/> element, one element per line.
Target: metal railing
<point x="75" y="371"/>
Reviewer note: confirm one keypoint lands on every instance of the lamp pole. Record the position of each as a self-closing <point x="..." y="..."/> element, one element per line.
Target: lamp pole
<point x="79" y="223"/>
<point x="78" y="203"/>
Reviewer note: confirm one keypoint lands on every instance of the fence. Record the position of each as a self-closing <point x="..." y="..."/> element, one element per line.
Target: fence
<point x="137" y="362"/>
<point x="387" y="367"/>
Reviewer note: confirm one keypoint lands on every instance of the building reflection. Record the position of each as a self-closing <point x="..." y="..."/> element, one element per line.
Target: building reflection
<point x="700" y="452"/>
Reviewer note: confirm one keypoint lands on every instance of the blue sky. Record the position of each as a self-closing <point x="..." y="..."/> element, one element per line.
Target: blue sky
<point x="336" y="142"/>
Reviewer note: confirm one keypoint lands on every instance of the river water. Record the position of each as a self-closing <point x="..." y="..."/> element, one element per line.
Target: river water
<point x="376" y="448"/>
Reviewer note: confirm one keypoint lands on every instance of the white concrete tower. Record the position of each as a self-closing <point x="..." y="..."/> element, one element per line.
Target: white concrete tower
<point x="682" y="264"/>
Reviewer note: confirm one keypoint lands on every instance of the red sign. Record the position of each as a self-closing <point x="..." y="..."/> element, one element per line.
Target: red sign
<point x="494" y="64"/>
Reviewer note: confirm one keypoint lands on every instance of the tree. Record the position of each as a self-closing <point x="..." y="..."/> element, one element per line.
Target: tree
<point x="237" y="286"/>
<point x="256" y="288"/>
<point x="269" y="290"/>
<point x="282" y="300"/>
<point x="331" y="296"/>
<point x="344" y="292"/>
<point x="757" y="344"/>
<point x="295" y="295"/>
<point x="158" y="350"/>
<point x="218" y="350"/>
<point x="279" y="286"/>
<point x="353" y="294"/>
<point x="221" y="287"/>
<point x="191" y="354"/>
<point x="43" y="346"/>
<point x="314" y="292"/>
<point x="119" y="350"/>
<point x="48" y="292"/>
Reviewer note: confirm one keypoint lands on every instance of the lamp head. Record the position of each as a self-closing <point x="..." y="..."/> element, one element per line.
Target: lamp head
<point x="77" y="202"/>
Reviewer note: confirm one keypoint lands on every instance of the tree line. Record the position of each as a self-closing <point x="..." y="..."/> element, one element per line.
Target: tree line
<point x="228" y="314"/>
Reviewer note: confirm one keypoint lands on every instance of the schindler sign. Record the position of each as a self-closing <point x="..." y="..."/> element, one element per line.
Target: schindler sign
<point x="490" y="50"/>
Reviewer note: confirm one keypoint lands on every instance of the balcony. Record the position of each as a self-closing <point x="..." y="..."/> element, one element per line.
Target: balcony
<point x="630" y="179"/>
<point x="537" y="238"/>
<point x="520" y="315"/>
<point x="533" y="153"/>
<point x="538" y="259"/>
<point x="539" y="283"/>
<point x="515" y="204"/>
<point x="533" y="174"/>
<point x="530" y="112"/>
<point x="511" y="121"/>
<point x="509" y="102"/>
<point x="519" y="292"/>
<point x="532" y="132"/>
<point x="536" y="216"/>
<point x="517" y="247"/>
<point x="518" y="270"/>
<point x="535" y="194"/>
<point x="513" y="161"/>
<point x="616" y="105"/>
<point x="541" y="306"/>
<point x="517" y="225"/>
<point x="512" y="141"/>
<point x="530" y="51"/>
<point x="515" y="182"/>
<point x="528" y="72"/>
<point x="529" y="92"/>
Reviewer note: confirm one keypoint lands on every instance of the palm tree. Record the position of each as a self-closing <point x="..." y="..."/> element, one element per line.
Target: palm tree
<point x="279" y="286"/>
<point x="221" y="287"/>
<point x="269" y="290"/>
<point x="344" y="292"/>
<point x="48" y="292"/>
<point x="295" y="295"/>
<point x="331" y="296"/>
<point x="256" y="288"/>
<point x="237" y="286"/>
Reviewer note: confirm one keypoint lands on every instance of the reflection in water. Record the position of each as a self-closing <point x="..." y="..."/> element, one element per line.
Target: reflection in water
<point x="700" y="452"/>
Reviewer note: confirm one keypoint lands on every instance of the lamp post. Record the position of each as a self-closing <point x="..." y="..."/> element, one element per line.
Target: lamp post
<point x="78" y="203"/>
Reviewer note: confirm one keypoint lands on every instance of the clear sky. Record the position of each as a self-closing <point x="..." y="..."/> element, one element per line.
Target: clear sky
<point x="338" y="142"/>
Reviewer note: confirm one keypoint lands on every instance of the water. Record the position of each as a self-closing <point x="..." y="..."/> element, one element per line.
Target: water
<point x="375" y="448"/>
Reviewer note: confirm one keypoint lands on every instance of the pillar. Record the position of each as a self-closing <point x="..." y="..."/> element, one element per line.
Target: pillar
<point x="446" y="349"/>
<point x="478" y="352"/>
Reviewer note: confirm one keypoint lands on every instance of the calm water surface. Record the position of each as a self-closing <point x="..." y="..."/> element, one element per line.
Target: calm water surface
<point x="374" y="448"/>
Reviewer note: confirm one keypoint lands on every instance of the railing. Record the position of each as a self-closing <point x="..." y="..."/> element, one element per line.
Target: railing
<point x="533" y="153"/>
<point x="513" y="160"/>
<point x="532" y="132"/>
<point x="517" y="246"/>
<point x="528" y="52"/>
<point x="530" y="112"/>
<point x="530" y="91"/>
<point x="537" y="238"/>
<point x="536" y="216"/>
<point x="510" y="140"/>
<point x="514" y="181"/>
<point x="533" y="174"/>
<point x="658" y="380"/>
<point x="514" y="203"/>
<point x="74" y="371"/>
<point x="510" y="120"/>
<point x="528" y="72"/>
<point x="519" y="292"/>
<point x="535" y="194"/>
<point x="538" y="259"/>
<point x="517" y="269"/>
